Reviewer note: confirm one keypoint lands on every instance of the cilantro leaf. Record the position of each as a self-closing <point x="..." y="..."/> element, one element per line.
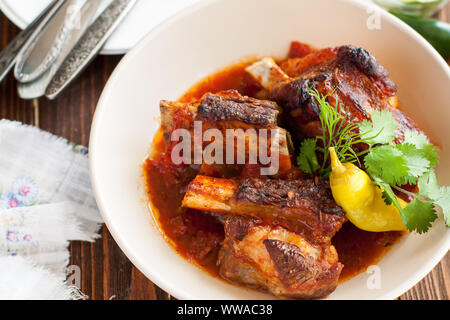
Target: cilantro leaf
<point x="381" y="128"/>
<point x="421" y="142"/>
<point x="397" y="164"/>
<point x="387" y="163"/>
<point x="417" y="163"/>
<point x="417" y="139"/>
<point x="307" y="159"/>
<point x="430" y="152"/>
<point x="443" y="201"/>
<point x="428" y="187"/>
<point x="419" y="215"/>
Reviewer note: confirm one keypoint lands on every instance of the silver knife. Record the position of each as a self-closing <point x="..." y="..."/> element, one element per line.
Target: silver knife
<point x="89" y="46"/>
<point x="8" y="56"/>
<point x="40" y="62"/>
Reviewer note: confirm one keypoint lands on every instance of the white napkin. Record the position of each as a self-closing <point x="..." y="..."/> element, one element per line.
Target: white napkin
<point x="24" y="280"/>
<point x="46" y="201"/>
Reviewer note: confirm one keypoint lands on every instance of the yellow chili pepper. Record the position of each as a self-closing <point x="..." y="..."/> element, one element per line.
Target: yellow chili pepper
<point x="361" y="200"/>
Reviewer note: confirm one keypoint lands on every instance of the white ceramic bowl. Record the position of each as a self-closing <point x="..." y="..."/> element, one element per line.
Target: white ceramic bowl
<point x="210" y="36"/>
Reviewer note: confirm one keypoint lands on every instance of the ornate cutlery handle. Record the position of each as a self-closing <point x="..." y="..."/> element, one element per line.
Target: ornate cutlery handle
<point x="9" y="54"/>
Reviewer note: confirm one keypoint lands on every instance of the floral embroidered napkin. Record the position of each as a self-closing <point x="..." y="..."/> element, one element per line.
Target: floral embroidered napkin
<point x="46" y="201"/>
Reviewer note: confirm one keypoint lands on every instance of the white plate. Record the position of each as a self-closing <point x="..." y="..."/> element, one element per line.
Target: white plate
<point x="145" y="16"/>
<point x="214" y="34"/>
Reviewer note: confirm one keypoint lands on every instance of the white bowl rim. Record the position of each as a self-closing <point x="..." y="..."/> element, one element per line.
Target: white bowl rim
<point x="100" y="109"/>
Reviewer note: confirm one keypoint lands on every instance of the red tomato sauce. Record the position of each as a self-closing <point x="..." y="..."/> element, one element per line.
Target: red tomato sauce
<point x="198" y="236"/>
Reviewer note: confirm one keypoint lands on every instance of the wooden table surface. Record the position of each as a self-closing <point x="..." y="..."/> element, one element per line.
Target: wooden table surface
<point x="106" y="272"/>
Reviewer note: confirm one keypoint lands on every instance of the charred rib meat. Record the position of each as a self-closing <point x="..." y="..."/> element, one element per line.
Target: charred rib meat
<point x="277" y="260"/>
<point x="354" y="77"/>
<point x="230" y="110"/>
<point x="302" y="206"/>
<point x="226" y="109"/>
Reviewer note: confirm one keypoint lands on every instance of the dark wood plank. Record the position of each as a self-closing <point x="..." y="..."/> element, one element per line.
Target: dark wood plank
<point x="106" y="272"/>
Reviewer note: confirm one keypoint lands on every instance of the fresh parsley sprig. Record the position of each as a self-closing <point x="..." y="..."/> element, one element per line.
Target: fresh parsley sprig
<point x="389" y="165"/>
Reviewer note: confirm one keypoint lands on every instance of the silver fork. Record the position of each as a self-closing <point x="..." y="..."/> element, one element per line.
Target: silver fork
<point x="8" y="56"/>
